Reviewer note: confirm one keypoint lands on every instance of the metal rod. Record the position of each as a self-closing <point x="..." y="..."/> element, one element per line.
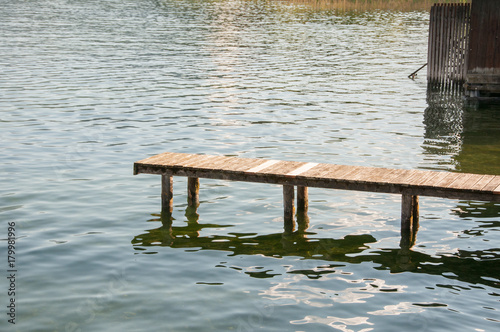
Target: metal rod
<point x="412" y="75"/>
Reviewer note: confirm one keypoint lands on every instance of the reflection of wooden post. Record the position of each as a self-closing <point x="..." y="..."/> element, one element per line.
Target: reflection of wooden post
<point x="409" y="219"/>
<point x="288" y="206"/>
<point x="193" y="192"/>
<point x="167" y="193"/>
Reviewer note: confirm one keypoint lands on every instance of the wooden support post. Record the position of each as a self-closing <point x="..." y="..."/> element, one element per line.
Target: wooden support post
<point x="193" y="192"/>
<point x="302" y="207"/>
<point x="409" y="219"/>
<point x="167" y="193"/>
<point x="288" y="206"/>
<point x="415" y="219"/>
<point x="302" y="199"/>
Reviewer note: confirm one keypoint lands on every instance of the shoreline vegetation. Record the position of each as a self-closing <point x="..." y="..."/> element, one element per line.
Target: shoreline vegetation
<point x="371" y="5"/>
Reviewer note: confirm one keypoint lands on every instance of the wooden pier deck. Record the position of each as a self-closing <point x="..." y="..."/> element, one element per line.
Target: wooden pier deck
<point x="408" y="183"/>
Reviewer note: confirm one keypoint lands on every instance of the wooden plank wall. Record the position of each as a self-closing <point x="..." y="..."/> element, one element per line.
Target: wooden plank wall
<point x="485" y="35"/>
<point x="483" y="75"/>
<point x="448" y="46"/>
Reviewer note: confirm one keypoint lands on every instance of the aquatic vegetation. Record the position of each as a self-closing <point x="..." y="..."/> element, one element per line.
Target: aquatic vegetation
<point x="368" y="5"/>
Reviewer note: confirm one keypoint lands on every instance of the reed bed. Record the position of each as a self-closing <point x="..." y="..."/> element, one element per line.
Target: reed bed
<point x="370" y="5"/>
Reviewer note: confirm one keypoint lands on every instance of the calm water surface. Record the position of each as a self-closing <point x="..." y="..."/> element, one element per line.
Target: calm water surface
<point x="89" y="87"/>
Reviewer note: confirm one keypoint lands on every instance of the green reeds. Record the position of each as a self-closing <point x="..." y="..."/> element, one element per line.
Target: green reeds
<point x="369" y="5"/>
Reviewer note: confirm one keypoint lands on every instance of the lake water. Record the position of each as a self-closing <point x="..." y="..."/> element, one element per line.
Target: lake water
<point x="89" y="87"/>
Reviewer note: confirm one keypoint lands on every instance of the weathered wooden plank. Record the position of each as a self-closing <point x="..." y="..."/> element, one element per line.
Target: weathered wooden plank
<point x="350" y="175"/>
<point x="152" y="159"/>
<point x="175" y="160"/>
<point x="282" y="167"/>
<point x="239" y="165"/>
<point x="466" y="181"/>
<point x="340" y="172"/>
<point x="369" y="174"/>
<point x="263" y="165"/>
<point x="485" y="179"/>
<point x="213" y="163"/>
<point x="198" y="162"/>
<point x="431" y="181"/>
<point x="459" y="180"/>
<point x="227" y="163"/>
<point x="447" y="180"/>
<point x="425" y="177"/>
<point x="416" y="177"/>
<point x="404" y="177"/>
<point x="391" y="175"/>
<point x="320" y="170"/>
<point x="247" y="165"/>
<point x="362" y="175"/>
<point x="492" y="185"/>
<point x="159" y="158"/>
<point x="304" y="168"/>
<point x="231" y="163"/>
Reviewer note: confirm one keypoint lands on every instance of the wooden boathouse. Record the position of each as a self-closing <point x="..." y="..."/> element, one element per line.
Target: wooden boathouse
<point x="410" y="184"/>
<point x="464" y="48"/>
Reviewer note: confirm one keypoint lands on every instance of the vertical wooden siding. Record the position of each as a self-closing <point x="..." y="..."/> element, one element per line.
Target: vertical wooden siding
<point x="485" y="36"/>
<point x="449" y="28"/>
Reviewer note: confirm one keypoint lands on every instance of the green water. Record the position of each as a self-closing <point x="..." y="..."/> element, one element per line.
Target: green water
<point x="89" y="87"/>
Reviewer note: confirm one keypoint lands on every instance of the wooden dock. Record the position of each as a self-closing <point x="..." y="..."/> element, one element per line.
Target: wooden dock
<point x="410" y="184"/>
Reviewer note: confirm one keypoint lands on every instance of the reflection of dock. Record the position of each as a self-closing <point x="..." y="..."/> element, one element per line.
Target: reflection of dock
<point x="463" y="137"/>
<point x="272" y="245"/>
<point x="409" y="183"/>
<point x="467" y="266"/>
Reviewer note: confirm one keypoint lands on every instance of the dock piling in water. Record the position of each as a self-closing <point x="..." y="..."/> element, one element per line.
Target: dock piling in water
<point x="288" y="207"/>
<point x="193" y="192"/>
<point x="167" y="193"/>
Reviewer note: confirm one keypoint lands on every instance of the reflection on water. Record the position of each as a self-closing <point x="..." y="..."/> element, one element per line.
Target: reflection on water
<point x="462" y="136"/>
<point x="467" y="209"/>
<point x="480" y="152"/>
<point x="476" y="267"/>
<point x="443" y="119"/>
<point x="297" y="243"/>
